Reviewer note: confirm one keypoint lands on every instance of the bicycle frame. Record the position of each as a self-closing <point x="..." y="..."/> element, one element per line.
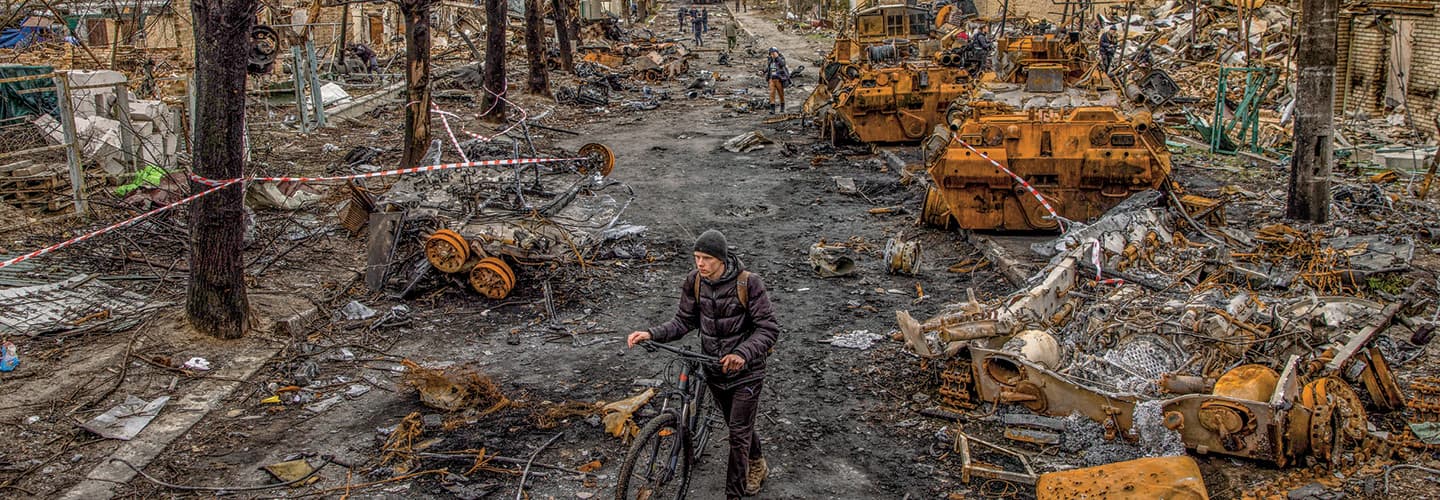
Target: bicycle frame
<point x="690" y="390"/>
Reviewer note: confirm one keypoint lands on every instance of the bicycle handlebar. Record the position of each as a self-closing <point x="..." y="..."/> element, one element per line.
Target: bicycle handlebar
<point x="651" y="346"/>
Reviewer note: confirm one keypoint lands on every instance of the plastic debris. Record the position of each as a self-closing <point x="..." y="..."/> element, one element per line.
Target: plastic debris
<point x="127" y="419"/>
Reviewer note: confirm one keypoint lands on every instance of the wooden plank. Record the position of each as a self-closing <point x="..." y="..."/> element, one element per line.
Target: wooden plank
<point x="14" y="166"/>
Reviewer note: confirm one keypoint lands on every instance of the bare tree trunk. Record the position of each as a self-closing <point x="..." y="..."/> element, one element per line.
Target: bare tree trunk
<point x="495" y="32"/>
<point x="1314" y="113"/>
<point x="215" y="302"/>
<point x="539" y="81"/>
<point x="417" y="76"/>
<point x="560" y="11"/>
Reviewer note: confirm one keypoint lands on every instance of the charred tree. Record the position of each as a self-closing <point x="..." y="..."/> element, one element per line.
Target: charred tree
<point x="496" y="23"/>
<point x="1309" y="196"/>
<point x="560" y="12"/>
<point x="539" y="81"/>
<point x="215" y="301"/>
<point x="417" y="77"/>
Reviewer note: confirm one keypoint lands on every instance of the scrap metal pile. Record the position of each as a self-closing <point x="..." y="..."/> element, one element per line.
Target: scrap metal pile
<point x="1153" y="331"/>
<point x="476" y="227"/>
<point x="614" y="60"/>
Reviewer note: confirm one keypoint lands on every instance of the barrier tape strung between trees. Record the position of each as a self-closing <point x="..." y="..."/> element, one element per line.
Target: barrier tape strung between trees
<point x="218" y="184"/>
<point x="385" y="173"/>
<point x="114" y="226"/>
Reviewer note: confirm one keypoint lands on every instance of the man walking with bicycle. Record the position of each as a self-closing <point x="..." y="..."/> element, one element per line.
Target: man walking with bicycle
<point x="731" y="309"/>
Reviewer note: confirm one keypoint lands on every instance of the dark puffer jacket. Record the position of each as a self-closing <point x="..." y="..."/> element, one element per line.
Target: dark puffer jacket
<point x="725" y="326"/>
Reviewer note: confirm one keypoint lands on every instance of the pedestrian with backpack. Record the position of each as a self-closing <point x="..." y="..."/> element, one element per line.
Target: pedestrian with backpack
<point x="777" y="75"/>
<point x="732" y="311"/>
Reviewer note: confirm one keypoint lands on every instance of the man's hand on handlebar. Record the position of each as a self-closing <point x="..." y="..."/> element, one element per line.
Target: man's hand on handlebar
<point x="637" y="337"/>
<point x="732" y="363"/>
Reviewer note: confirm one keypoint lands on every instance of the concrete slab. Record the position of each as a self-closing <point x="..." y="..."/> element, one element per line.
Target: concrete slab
<point x="173" y="422"/>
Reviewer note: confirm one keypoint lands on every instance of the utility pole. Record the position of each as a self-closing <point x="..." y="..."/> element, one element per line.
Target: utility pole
<point x="215" y="301"/>
<point x="1309" y="197"/>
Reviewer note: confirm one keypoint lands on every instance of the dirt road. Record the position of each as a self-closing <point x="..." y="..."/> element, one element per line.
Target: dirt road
<point x="836" y="422"/>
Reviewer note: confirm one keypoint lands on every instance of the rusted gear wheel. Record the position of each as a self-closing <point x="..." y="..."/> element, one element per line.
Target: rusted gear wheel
<point x="597" y="157"/>
<point x="447" y="251"/>
<point x="493" y="278"/>
<point x="1337" y="417"/>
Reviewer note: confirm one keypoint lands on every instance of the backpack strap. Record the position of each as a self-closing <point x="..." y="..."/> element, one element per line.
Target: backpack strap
<point x="742" y="288"/>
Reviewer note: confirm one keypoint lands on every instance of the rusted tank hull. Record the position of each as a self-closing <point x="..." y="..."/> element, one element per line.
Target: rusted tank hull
<point x="1083" y="163"/>
<point x="896" y="105"/>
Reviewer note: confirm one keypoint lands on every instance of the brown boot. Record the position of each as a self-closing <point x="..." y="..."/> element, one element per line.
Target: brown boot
<point x="755" y="477"/>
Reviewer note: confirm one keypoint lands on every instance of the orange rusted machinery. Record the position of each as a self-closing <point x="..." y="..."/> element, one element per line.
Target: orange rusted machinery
<point x="1151" y="477"/>
<point x="1054" y="122"/>
<point x="895" y="104"/>
<point x="883" y="81"/>
<point x="1253" y="412"/>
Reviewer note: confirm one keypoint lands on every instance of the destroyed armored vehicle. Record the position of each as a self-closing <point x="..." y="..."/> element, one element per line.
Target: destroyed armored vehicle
<point x="885" y="81"/>
<point x="1060" y="128"/>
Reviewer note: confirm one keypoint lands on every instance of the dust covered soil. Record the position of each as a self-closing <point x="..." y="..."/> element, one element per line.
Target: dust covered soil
<point x="836" y="422"/>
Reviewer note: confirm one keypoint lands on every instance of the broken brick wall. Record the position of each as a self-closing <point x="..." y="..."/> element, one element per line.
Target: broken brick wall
<point x="1021" y="8"/>
<point x="1363" y="55"/>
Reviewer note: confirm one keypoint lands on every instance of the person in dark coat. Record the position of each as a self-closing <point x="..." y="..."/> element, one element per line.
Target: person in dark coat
<point x="682" y="13"/>
<point x="741" y="335"/>
<point x="1108" y="41"/>
<point x="705" y="19"/>
<point x="367" y="56"/>
<point x="697" y="24"/>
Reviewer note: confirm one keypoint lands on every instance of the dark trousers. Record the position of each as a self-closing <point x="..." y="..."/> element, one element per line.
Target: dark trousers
<point x="740" y="405"/>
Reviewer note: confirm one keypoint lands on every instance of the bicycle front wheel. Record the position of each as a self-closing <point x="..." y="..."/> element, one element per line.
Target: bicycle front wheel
<point x="657" y="466"/>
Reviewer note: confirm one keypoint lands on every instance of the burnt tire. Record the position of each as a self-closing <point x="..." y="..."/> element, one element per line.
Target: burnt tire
<point x="658" y="464"/>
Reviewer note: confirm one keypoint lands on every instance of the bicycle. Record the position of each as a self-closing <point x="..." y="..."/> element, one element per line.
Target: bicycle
<point x="671" y="443"/>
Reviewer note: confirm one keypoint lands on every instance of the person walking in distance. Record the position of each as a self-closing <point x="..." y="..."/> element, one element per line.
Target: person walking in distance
<point x="732" y="33"/>
<point x="732" y="311"/>
<point x="778" y="76"/>
<point x="682" y="13"/>
<point x="698" y="26"/>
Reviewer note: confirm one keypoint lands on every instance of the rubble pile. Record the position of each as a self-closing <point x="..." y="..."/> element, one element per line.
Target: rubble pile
<point x="1264" y="341"/>
<point x="1242" y="58"/>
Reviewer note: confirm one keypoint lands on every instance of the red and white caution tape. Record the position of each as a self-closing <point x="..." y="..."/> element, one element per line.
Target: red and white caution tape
<point x="385" y="173"/>
<point x="446" y="122"/>
<point x="216" y="185"/>
<point x="112" y="227"/>
<point x="1100" y="279"/>
<point x="1023" y="183"/>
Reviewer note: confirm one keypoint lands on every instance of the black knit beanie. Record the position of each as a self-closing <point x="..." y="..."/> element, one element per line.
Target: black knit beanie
<point x="712" y="242"/>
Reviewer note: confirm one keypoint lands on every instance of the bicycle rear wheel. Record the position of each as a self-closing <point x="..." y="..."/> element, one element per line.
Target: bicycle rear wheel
<point x="657" y="466"/>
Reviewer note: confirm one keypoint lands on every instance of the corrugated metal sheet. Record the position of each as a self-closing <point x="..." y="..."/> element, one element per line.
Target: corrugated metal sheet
<point x="79" y="302"/>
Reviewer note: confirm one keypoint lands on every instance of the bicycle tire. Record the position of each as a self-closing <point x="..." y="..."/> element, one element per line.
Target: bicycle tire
<point x="648" y="435"/>
<point x="700" y="436"/>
